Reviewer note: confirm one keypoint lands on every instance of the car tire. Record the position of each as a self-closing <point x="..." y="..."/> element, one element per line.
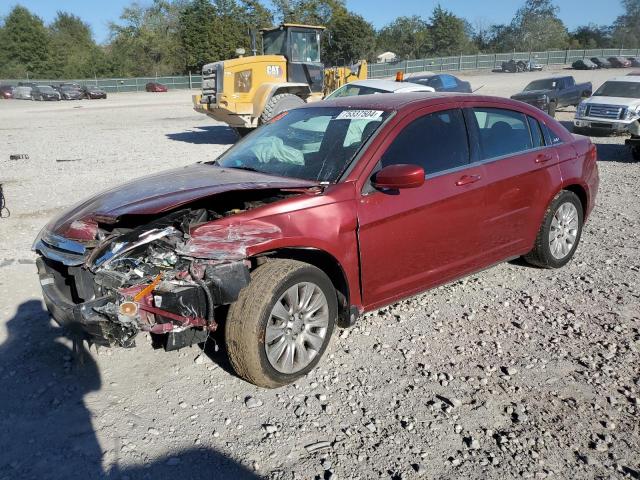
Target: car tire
<point x="552" y="109"/>
<point x="278" y="104"/>
<point x="560" y="232"/>
<point x="261" y="360"/>
<point x="635" y="153"/>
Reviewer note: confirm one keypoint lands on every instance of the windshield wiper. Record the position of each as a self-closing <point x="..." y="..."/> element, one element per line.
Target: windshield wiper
<point x="248" y="169"/>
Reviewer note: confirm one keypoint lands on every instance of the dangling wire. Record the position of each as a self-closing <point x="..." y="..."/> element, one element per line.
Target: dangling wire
<point x="4" y="211"/>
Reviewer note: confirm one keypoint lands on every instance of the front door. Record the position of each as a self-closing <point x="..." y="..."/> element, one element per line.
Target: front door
<point x="413" y="239"/>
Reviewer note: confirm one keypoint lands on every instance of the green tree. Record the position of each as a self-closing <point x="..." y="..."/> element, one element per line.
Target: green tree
<point x="25" y="45"/>
<point x="146" y="41"/>
<point x="352" y="39"/>
<point x="449" y="33"/>
<point x="407" y="37"/>
<point x="591" y="36"/>
<point x="626" y="28"/>
<point x="73" y="52"/>
<point x="537" y="27"/>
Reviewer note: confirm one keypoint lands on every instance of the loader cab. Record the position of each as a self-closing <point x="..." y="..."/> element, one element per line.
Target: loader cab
<point x="300" y="45"/>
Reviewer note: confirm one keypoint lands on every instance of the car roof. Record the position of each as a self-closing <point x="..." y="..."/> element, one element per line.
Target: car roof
<point x="408" y="100"/>
<point x="388" y="85"/>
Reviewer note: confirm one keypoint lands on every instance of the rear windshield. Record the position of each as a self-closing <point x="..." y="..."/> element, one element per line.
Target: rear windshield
<point x="310" y="143"/>
<point x="619" y="89"/>
<point x="355" y="90"/>
<point x="547" y="84"/>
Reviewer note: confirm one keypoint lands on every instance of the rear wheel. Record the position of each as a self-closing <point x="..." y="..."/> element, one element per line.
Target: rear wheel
<point x="635" y="153"/>
<point x="281" y="323"/>
<point x="278" y="104"/>
<point x="559" y="233"/>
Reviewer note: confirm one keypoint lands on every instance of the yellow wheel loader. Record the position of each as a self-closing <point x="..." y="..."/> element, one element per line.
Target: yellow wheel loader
<point x="247" y="91"/>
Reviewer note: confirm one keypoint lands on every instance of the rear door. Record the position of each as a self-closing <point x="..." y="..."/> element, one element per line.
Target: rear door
<point x="521" y="171"/>
<point x="413" y="239"/>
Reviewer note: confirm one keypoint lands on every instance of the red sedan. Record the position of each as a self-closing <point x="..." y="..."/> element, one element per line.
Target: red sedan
<point x="331" y="210"/>
<point x="155" y="87"/>
<point x="6" y="91"/>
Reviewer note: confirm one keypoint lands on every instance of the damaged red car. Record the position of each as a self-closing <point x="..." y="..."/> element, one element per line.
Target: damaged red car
<point x="332" y="210"/>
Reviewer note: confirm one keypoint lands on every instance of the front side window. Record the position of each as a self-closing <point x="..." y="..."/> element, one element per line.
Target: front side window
<point x="310" y="143"/>
<point x="436" y="142"/>
<point x="501" y="132"/>
<point x="305" y="47"/>
<point x="449" y="81"/>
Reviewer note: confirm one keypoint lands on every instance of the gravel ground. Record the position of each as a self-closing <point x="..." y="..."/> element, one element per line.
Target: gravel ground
<point x="514" y="372"/>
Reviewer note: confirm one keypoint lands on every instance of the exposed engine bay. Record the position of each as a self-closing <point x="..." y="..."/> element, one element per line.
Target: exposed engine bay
<point x="164" y="274"/>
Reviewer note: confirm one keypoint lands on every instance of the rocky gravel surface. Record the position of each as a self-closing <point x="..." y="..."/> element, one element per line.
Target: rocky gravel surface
<point x="514" y="372"/>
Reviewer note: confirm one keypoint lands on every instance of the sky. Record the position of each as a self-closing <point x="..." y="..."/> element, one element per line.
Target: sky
<point x="573" y="13"/>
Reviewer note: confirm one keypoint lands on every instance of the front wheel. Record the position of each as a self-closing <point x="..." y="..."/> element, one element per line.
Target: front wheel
<point x="559" y="233"/>
<point x="552" y="109"/>
<point x="282" y="322"/>
<point x="278" y="104"/>
<point x="635" y="153"/>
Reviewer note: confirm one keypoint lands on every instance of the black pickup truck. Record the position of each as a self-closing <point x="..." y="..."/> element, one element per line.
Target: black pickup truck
<point x="550" y="93"/>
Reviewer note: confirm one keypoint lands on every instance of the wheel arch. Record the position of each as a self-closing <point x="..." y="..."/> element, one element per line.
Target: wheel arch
<point x="329" y="265"/>
<point x="581" y="193"/>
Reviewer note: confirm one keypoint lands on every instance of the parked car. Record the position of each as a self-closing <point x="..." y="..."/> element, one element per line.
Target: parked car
<point x="619" y="62"/>
<point x="514" y="66"/>
<point x="90" y="92"/>
<point x="548" y="94"/>
<point x="155" y="87"/>
<point x="613" y="108"/>
<point x="6" y="91"/>
<point x="44" y="92"/>
<point x="442" y="82"/>
<point x="584" y="64"/>
<point x="297" y="230"/>
<point x="70" y="93"/>
<point x="635" y="61"/>
<point x="370" y="87"/>
<point x="76" y="86"/>
<point x="601" y="62"/>
<point x="22" y="93"/>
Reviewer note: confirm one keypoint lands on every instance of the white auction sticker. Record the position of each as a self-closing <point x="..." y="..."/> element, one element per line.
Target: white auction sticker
<point x="359" y="114"/>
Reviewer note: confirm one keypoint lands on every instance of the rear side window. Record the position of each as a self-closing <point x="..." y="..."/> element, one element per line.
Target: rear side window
<point x="536" y="133"/>
<point x="436" y="142"/>
<point x="502" y="132"/>
<point x="448" y="81"/>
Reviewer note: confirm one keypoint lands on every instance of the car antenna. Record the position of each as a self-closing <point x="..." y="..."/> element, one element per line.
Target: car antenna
<point x="474" y="91"/>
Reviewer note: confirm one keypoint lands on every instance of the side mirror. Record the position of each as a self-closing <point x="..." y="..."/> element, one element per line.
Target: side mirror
<point x="396" y="177"/>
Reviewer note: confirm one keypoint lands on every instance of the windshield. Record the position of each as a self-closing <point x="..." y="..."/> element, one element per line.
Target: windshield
<point x="354" y="90"/>
<point x="619" y="89"/>
<point x="548" y="84"/>
<point x="305" y="47"/>
<point x="310" y="143"/>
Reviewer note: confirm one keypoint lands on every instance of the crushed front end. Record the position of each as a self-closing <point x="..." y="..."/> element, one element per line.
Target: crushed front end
<point x="115" y="278"/>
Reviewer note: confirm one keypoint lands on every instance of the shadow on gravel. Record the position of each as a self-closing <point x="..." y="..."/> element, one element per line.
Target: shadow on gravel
<point x="611" y="152"/>
<point x="46" y="430"/>
<point x="213" y="134"/>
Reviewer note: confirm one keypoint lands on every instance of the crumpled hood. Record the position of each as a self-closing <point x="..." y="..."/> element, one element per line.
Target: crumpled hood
<point x="162" y="192"/>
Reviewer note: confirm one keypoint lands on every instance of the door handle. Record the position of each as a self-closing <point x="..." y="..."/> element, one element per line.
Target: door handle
<point x="542" y="158"/>
<point x="467" y="179"/>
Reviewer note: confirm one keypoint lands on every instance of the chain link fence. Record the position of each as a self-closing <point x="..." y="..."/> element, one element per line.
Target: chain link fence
<point x="491" y="61"/>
